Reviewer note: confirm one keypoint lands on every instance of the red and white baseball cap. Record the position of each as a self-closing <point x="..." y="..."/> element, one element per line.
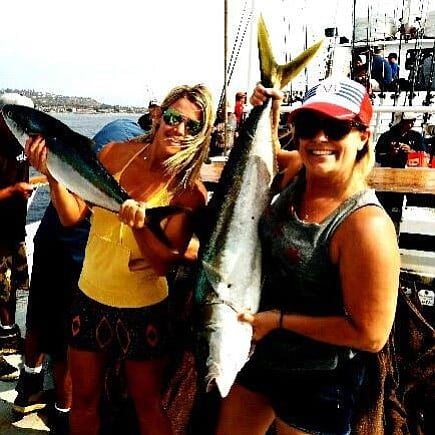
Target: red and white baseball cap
<point x="340" y="98"/>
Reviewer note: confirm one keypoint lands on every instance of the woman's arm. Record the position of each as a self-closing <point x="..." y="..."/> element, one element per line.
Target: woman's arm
<point x="70" y="208"/>
<point x="20" y="188"/>
<point x="365" y="249"/>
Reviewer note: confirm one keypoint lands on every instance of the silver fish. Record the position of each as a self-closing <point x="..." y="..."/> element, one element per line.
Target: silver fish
<point x="229" y="279"/>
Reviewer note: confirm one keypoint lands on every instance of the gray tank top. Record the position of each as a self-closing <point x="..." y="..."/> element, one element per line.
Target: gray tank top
<point x="299" y="275"/>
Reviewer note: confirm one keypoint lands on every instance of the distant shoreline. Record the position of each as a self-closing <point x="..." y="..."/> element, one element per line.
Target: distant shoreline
<point x="49" y="102"/>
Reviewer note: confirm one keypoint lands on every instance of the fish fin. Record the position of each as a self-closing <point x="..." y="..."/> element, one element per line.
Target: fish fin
<point x="273" y="74"/>
<point x="155" y="216"/>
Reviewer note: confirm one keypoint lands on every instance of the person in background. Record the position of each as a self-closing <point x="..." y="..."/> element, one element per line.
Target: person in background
<point x="232" y="131"/>
<point x="425" y="76"/>
<point x="58" y="258"/>
<point x="331" y="270"/>
<point x="359" y="71"/>
<point x="120" y="307"/>
<point x="217" y="141"/>
<point x="395" y="68"/>
<point x="223" y="133"/>
<point x="147" y="119"/>
<point x="392" y="151"/>
<point x="240" y="108"/>
<point x="15" y="189"/>
<point x="394" y="145"/>
<point x="380" y="71"/>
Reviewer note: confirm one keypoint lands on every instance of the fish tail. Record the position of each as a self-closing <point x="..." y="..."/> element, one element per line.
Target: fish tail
<point x="155" y="216"/>
<point x="273" y="74"/>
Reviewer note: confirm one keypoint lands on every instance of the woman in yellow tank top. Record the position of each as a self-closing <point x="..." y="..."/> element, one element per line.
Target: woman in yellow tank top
<point x="121" y="304"/>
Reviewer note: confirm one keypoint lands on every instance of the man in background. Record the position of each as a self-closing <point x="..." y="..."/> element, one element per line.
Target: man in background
<point x="381" y="71"/>
<point x="394" y="145"/>
<point x="14" y="192"/>
<point x="392" y="151"/>
<point x="147" y="119"/>
<point x="240" y="108"/>
<point x="427" y="76"/>
<point x="392" y="60"/>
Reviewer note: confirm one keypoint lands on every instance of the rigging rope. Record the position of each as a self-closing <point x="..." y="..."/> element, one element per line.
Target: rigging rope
<point x="245" y="19"/>
<point x="233" y="64"/>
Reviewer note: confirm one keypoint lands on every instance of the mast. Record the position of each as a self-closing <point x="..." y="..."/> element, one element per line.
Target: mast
<point x="352" y="50"/>
<point x="225" y="100"/>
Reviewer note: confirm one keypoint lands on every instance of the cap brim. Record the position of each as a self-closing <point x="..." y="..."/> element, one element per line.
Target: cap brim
<point x="327" y="109"/>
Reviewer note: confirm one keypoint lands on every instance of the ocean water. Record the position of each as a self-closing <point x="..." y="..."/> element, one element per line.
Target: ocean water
<point x="84" y="123"/>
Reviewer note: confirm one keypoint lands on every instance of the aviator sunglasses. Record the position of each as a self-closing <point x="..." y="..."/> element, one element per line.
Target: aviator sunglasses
<point x="308" y="125"/>
<point x="173" y="117"/>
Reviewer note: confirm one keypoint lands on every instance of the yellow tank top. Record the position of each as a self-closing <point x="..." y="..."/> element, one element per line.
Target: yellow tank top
<point x="114" y="271"/>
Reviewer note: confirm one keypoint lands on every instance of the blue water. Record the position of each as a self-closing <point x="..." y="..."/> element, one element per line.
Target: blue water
<point x="85" y="123"/>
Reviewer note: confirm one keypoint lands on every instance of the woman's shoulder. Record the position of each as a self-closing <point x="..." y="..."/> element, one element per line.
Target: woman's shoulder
<point x="370" y="221"/>
<point x="368" y="229"/>
<point x="116" y="154"/>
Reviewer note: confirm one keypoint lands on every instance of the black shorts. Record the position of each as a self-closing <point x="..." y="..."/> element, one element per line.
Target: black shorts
<point x="130" y="333"/>
<point x="54" y="279"/>
<point x="318" y="402"/>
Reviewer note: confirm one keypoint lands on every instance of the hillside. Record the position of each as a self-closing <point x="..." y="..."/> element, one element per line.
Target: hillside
<point x="61" y="103"/>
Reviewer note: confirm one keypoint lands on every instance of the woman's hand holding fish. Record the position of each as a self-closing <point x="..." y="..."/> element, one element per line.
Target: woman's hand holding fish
<point x="260" y="94"/>
<point x="262" y="323"/>
<point x="36" y="153"/>
<point x="132" y="213"/>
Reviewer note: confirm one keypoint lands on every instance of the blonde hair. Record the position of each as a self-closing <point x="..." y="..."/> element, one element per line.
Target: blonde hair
<point x="365" y="161"/>
<point x="185" y="165"/>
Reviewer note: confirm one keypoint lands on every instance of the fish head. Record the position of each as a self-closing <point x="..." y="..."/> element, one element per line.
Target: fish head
<point x="17" y="121"/>
<point x="25" y="122"/>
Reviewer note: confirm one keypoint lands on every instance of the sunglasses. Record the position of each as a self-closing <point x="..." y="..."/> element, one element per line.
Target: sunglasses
<point x="173" y="117"/>
<point x="308" y="126"/>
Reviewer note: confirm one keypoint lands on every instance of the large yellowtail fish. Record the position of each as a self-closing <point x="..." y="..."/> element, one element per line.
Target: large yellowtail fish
<point x="72" y="161"/>
<point x="229" y="279"/>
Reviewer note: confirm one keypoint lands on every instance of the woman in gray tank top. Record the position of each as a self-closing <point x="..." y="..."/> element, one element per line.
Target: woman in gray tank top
<point x="331" y="266"/>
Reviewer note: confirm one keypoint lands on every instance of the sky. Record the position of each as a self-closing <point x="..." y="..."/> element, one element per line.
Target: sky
<point x="130" y="51"/>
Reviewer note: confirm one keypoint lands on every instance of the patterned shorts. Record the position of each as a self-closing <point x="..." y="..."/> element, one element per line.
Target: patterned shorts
<point x="130" y="333"/>
<point x="13" y="270"/>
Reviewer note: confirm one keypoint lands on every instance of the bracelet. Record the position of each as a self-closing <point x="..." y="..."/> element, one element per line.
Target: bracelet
<point x="281" y="316"/>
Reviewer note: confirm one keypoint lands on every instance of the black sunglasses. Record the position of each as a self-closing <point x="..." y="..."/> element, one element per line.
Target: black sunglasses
<point x="173" y="117"/>
<point x="307" y="126"/>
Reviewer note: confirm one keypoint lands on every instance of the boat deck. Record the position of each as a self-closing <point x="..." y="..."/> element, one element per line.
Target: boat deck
<point x="420" y="220"/>
<point x="11" y="424"/>
<point x="31" y="424"/>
